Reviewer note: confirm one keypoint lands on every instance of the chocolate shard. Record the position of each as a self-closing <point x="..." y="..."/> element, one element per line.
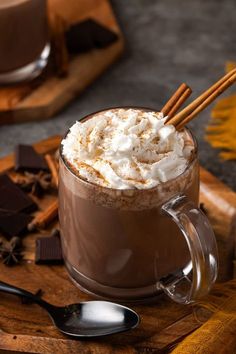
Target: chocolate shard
<point x="13" y="198"/>
<point x="12" y="223"/>
<point x="87" y="35"/>
<point x="48" y="250"/>
<point x="103" y="37"/>
<point x="27" y="159"/>
<point x="79" y="38"/>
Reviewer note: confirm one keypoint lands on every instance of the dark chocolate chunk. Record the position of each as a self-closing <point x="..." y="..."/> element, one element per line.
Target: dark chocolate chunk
<point x="12" y="223"/>
<point x="89" y="34"/>
<point x="27" y="159"/>
<point x="103" y="36"/>
<point x="79" y="37"/>
<point x="48" y="250"/>
<point x="13" y="198"/>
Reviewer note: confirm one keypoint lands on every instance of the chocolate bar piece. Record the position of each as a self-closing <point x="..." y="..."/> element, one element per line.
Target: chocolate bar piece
<point x="86" y="35"/>
<point x="79" y="38"/>
<point x="12" y="223"/>
<point x="103" y="36"/>
<point x="27" y="159"/>
<point x="13" y="198"/>
<point x="48" y="250"/>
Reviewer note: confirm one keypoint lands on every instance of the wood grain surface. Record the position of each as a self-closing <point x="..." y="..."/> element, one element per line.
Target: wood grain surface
<point x="37" y="101"/>
<point x="26" y="328"/>
<point x="220" y="203"/>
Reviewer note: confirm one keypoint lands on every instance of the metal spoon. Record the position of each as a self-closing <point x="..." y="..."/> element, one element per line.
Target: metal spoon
<point x="86" y="319"/>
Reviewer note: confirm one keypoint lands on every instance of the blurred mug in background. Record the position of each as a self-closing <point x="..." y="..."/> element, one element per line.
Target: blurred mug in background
<point x="24" y="40"/>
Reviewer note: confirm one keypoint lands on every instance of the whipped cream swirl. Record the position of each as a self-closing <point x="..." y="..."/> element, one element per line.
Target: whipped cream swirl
<point x="127" y="149"/>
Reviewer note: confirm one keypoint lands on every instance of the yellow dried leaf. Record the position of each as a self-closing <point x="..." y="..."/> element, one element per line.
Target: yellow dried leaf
<point x="228" y="155"/>
<point x="225" y="103"/>
<point x="221" y="113"/>
<point x="221" y="132"/>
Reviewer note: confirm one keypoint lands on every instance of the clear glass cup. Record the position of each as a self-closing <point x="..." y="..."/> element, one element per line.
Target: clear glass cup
<point x="24" y="40"/>
<point x="128" y="245"/>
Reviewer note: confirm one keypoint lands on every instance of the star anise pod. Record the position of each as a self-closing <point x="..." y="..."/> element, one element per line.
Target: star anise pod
<point x="10" y="252"/>
<point x="36" y="184"/>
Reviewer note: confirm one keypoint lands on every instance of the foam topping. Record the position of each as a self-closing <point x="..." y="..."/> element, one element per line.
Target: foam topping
<point x="126" y="149"/>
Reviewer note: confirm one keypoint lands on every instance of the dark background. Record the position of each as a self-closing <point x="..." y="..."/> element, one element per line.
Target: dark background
<point x="167" y="42"/>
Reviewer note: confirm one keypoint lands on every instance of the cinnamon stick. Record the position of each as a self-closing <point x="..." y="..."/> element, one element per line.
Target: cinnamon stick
<point x="174" y="99"/>
<point x="44" y="218"/>
<point x="203" y="100"/>
<point x="179" y="103"/>
<point x="53" y="167"/>
<point x="61" y="56"/>
<point x="208" y="100"/>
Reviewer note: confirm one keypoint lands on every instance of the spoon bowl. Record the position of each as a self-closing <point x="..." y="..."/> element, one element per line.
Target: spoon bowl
<point x="94" y="319"/>
<point x="86" y="319"/>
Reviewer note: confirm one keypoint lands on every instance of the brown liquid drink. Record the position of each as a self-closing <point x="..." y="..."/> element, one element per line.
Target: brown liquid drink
<point x="23" y="32"/>
<point x="118" y="243"/>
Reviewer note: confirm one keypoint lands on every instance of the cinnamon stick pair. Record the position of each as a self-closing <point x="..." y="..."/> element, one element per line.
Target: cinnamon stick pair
<point x="200" y="103"/>
<point x="176" y="101"/>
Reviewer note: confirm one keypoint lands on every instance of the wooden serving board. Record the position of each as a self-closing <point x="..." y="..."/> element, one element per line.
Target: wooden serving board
<point x="28" y="102"/>
<point x="28" y="329"/>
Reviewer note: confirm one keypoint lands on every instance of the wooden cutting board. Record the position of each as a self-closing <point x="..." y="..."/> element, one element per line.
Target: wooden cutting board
<point x="28" y="329"/>
<point x="28" y="102"/>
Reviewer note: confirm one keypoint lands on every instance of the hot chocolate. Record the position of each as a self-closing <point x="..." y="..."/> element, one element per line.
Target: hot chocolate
<point x="116" y="240"/>
<point x="23" y="33"/>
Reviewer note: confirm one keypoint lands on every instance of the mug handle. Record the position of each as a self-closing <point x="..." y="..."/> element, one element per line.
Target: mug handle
<point x="195" y="280"/>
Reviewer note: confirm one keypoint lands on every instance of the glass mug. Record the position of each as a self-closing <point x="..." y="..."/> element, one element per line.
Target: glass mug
<point x="128" y="245"/>
<point x="24" y="40"/>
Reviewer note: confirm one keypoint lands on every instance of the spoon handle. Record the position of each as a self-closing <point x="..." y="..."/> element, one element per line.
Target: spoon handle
<point x="11" y="289"/>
